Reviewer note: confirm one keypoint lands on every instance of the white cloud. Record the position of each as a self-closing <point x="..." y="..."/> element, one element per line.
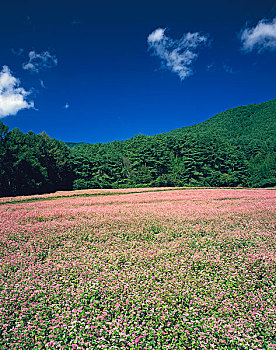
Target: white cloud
<point x="39" y="61"/>
<point x="262" y="37"/>
<point x="176" y="55"/>
<point x="12" y="96"/>
<point x="157" y="35"/>
<point x="66" y="105"/>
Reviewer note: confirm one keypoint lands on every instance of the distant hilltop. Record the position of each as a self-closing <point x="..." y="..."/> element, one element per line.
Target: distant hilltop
<point x="254" y="120"/>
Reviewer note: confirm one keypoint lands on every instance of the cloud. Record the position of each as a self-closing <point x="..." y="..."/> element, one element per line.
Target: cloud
<point x="17" y="52"/>
<point x="210" y="66"/>
<point x="156" y="35"/>
<point x="12" y="96"/>
<point x="228" y="69"/>
<point x="262" y="37"/>
<point x="66" y="105"/>
<point x="42" y="84"/>
<point x="75" y="22"/>
<point x="176" y="55"/>
<point x="39" y="61"/>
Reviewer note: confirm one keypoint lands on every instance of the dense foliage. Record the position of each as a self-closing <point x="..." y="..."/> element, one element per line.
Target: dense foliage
<point x="233" y="148"/>
<point x="32" y="163"/>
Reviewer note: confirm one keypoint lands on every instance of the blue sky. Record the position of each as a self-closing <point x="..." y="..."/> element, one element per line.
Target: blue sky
<point x="98" y="71"/>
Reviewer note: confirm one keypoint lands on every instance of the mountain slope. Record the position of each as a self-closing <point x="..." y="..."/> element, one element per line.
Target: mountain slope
<point x="257" y="121"/>
<point x="233" y="148"/>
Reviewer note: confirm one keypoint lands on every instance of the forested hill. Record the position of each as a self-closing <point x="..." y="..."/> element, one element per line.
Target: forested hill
<point x="233" y="148"/>
<point x="253" y="121"/>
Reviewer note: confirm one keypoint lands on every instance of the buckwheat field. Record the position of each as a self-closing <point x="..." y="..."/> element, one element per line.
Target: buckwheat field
<point x="170" y="269"/>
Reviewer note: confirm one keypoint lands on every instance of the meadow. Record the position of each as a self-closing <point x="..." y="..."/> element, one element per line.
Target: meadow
<point x="174" y="269"/>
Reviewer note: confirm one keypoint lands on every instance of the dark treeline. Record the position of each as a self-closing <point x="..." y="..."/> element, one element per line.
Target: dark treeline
<point x="31" y="163"/>
<point x="233" y="148"/>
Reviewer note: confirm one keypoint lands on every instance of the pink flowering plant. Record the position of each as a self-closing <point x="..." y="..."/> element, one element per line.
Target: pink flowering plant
<point x="181" y="269"/>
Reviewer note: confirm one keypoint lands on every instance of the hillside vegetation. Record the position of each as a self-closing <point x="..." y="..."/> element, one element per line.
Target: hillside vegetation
<point x="233" y="148"/>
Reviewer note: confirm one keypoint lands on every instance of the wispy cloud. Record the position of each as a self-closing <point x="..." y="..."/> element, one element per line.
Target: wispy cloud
<point x="42" y="84"/>
<point x="176" y="55"/>
<point x="262" y="37"/>
<point x="75" y="22"/>
<point x="12" y="96"/>
<point x="210" y="66"/>
<point x="39" y="61"/>
<point x="228" y="69"/>
<point x="17" y="52"/>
